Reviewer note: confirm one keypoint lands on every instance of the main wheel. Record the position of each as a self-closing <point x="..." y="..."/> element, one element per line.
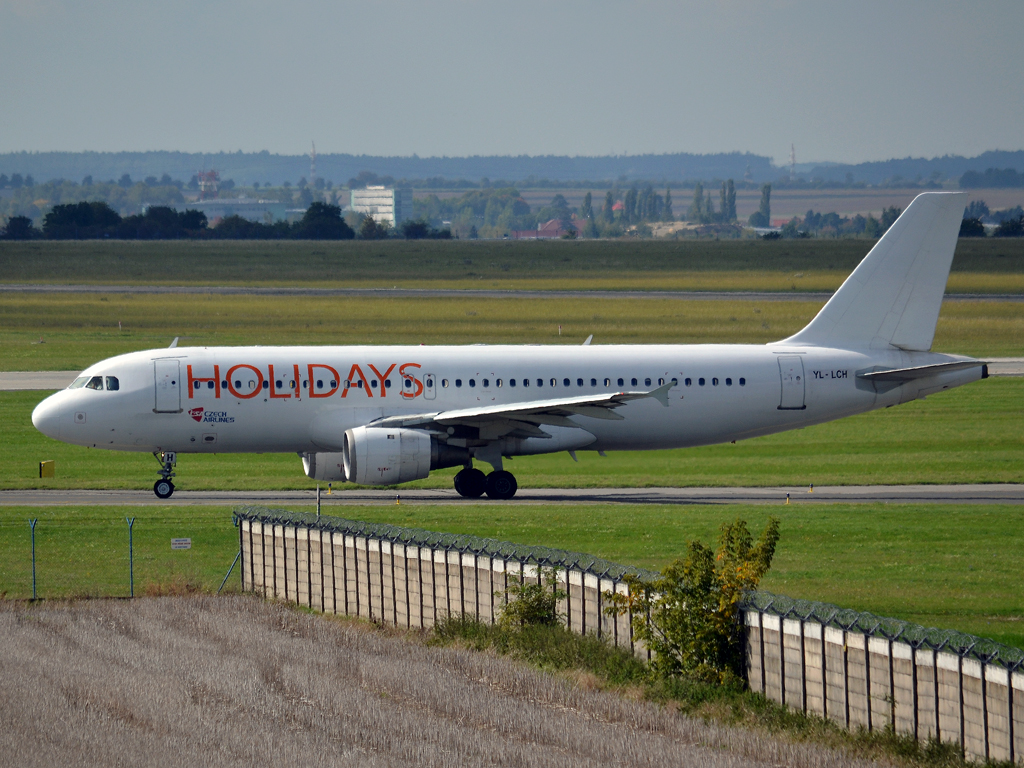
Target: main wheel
<point x="470" y="483"/>
<point x="163" y="489"/>
<point x="501" y="485"/>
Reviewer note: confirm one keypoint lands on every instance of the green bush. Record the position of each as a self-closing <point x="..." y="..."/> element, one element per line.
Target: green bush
<point x="530" y="604"/>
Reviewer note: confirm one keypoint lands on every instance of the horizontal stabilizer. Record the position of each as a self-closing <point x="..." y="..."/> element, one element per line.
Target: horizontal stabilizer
<point x="920" y="371"/>
<point x="892" y="299"/>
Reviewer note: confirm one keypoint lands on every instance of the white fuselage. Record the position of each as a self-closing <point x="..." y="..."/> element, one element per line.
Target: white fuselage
<point x="303" y="399"/>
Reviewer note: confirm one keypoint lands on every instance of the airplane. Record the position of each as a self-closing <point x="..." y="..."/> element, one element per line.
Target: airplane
<point x="385" y="415"/>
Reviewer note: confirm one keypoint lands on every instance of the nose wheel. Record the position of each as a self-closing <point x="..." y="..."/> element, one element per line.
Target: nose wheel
<point x="163" y="488"/>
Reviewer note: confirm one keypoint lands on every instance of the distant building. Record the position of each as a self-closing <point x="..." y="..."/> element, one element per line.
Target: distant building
<point x="384" y="204"/>
<point x="550" y="230"/>
<point x="263" y="211"/>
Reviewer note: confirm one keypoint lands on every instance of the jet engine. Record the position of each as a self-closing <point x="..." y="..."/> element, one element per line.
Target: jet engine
<point x="329" y="467"/>
<point x="377" y="456"/>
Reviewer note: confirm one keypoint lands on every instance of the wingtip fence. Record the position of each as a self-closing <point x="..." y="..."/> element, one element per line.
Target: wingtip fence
<point x="853" y="667"/>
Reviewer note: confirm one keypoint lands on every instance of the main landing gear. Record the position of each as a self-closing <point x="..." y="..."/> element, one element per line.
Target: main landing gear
<point x="163" y="488"/>
<point x="472" y="483"/>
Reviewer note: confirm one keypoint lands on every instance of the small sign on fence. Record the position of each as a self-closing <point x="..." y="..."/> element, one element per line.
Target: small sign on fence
<point x="181" y="543"/>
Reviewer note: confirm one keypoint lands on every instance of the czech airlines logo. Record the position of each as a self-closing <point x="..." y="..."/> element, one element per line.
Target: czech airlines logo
<point x="210" y="417"/>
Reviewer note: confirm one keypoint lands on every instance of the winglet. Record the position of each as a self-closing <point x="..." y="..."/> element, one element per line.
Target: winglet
<point x="590" y="338"/>
<point x="174" y="343"/>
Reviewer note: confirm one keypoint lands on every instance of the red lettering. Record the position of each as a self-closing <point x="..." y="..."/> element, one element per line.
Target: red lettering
<point x="312" y="380"/>
<point x="215" y="380"/>
<point x="273" y="390"/>
<point x="259" y="381"/>
<point x="382" y="377"/>
<point x="357" y="371"/>
<point x="417" y="386"/>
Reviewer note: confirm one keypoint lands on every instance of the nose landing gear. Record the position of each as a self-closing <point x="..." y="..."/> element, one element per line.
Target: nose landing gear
<point x="163" y="488"/>
<point x="472" y="483"/>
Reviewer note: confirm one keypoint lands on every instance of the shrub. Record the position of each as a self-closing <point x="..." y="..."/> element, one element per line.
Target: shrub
<point x="688" y="616"/>
<point x="532" y="604"/>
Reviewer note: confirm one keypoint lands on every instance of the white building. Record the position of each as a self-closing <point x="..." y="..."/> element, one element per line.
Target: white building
<point x="384" y="204"/>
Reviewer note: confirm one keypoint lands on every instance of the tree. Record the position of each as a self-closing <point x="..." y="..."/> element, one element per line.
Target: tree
<point x="972" y="228"/>
<point x="889" y="216"/>
<point x="765" y="209"/>
<point x="607" y="212"/>
<point x="532" y="605"/>
<point x="20" y="228"/>
<point x="871" y="227"/>
<point x="587" y="209"/>
<point x="667" y="213"/>
<point x="125" y="181"/>
<point x="80" y="220"/>
<point x="87" y="181"/>
<point x="629" y="212"/>
<point x="323" y="222"/>
<point x="1011" y="228"/>
<point x="729" y="214"/>
<point x="371" y="230"/>
<point x="688" y="616"/>
<point x="976" y="209"/>
<point x="696" y="212"/>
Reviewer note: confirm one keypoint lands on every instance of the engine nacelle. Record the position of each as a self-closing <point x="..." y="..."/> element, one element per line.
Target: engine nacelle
<point x="376" y="456"/>
<point x="329" y="467"/>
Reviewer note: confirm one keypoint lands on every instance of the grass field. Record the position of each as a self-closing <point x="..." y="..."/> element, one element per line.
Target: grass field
<point x="77" y="330"/>
<point x="946" y="565"/>
<point x="979" y="266"/>
<point x="971" y="434"/>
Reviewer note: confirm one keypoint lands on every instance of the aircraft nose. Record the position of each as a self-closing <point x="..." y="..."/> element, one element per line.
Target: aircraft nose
<point x="46" y="417"/>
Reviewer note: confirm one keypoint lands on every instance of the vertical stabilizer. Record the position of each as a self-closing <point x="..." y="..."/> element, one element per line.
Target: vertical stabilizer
<point x="893" y="297"/>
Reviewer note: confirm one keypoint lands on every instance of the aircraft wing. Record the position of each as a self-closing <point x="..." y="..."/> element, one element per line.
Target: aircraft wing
<point x="524" y="417"/>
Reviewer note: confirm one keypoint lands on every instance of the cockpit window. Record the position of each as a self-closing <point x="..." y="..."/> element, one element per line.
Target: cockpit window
<point x="79" y="382"/>
<point x="113" y="384"/>
<point x="96" y="382"/>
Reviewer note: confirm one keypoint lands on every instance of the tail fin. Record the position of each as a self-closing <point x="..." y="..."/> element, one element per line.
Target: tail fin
<point x="893" y="297"/>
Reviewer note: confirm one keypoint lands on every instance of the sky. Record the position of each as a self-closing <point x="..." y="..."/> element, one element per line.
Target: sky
<point x="842" y="81"/>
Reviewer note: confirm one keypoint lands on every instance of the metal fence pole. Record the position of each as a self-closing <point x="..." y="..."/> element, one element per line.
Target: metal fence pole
<point x="32" y="524"/>
<point x="131" y="556"/>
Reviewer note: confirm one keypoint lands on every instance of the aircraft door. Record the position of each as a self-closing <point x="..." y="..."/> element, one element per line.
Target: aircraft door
<point x="791" y="369"/>
<point x="168" y="386"/>
<point x="429" y="386"/>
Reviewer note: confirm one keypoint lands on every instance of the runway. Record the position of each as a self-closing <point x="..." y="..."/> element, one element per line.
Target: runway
<point x="848" y="494"/>
<point x="448" y="293"/>
<point x="49" y="381"/>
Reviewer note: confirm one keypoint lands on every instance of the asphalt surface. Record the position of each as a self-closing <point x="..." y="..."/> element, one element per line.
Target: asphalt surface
<point x="446" y="293"/>
<point x="54" y="380"/>
<point x="849" y="494"/>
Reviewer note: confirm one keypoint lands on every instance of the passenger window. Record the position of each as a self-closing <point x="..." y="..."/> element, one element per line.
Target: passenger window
<point x="79" y="382"/>
<point x="511" y="382"/>
<point x="279" y="384"/>
<point x="647" y="382"/>
<point x="487" y="383"/>
<point x="305" y="384"/>
<point x="444" y="383"/>
<point x="554" y="382"/>
<point x="607" y="382"/>
<point x="633" y="381"/>
<point x="714" y="382"/>
<point x="96" y="382"/>
<point x="387" y="383"/>
<point x="688" y="381"/>
<point x="675" y="382"/>
<point x="458" y="382"/>
<point x="497" y="383"/>
<point x="472" y="382"/>
<point x="593" y="382"/>
<point x="113" y="384"/>
<point x="728" y="382"/>
<point x="526" y="382"/>
<point x="238" y="384"/>
<point x="565" y="382"/>
<point x="373" y="383"/>
<point x="195" y="385"/>
<point x="408" y="384"/>
<point x="358" y="384"/>
<point x="579" y="382"/>
<point x="700" y="381"/>
<point x="209" y="384"/>
<point x="224" y="384"/>
<point x="540" y="382"/>
<point x="621" y="382"/>
<point x="266" y="385"/>
<point x="661" y="382"/>
<point x="743" y="382"/>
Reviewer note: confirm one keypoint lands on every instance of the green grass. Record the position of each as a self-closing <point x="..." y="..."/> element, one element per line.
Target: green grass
<point x="65" y="332"/>
<point x="954" y="566"/>
<point x="83" y="551"/>
<point x="973" y="434"/>
<point x="744" y="264"/>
